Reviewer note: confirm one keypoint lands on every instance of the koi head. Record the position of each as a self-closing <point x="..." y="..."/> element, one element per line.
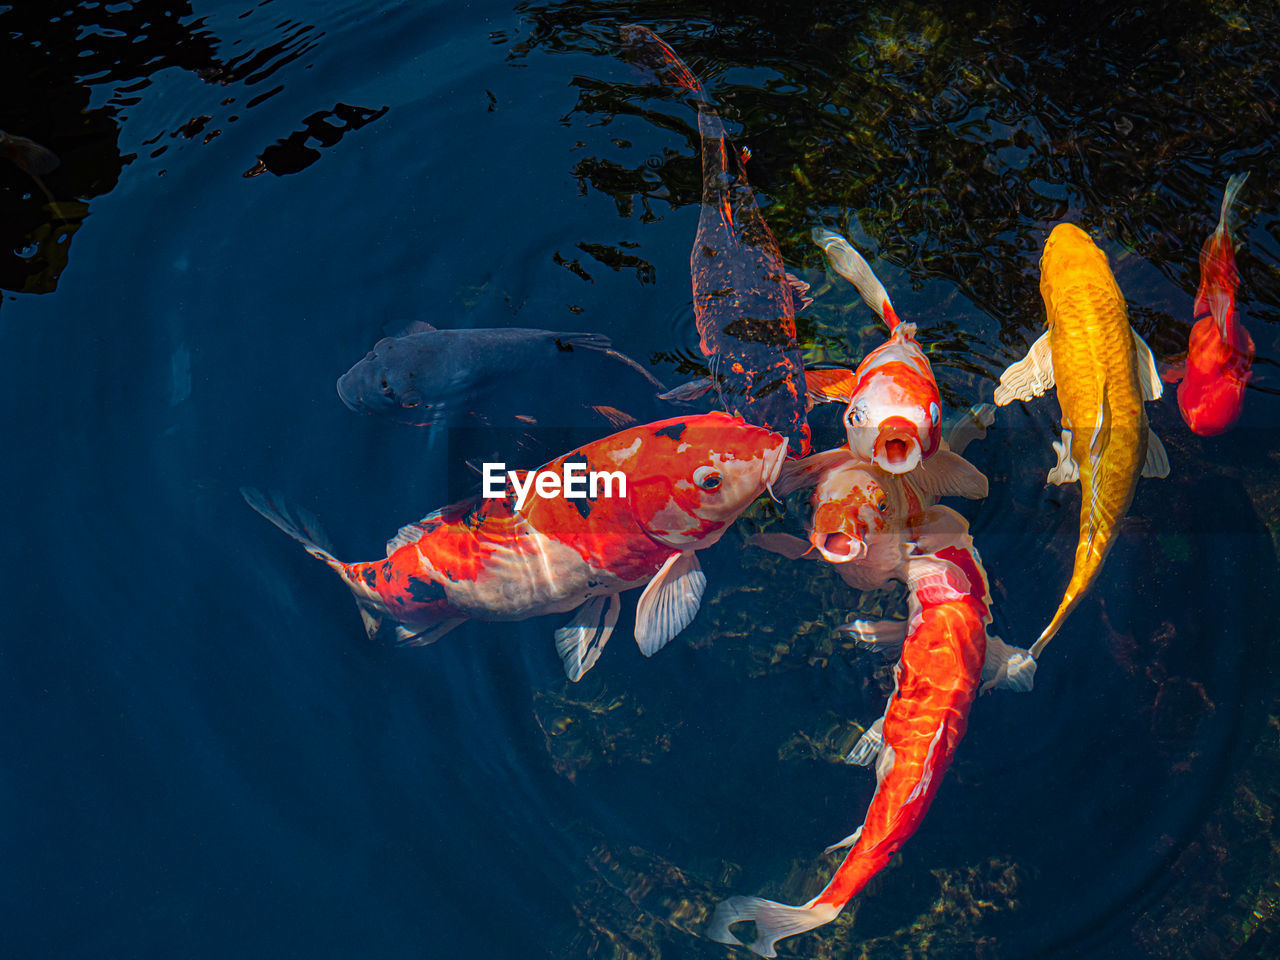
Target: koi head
<point x="894" y="418"/>
<point x="386" y="383"/>
<point x="850" y="510"/>
<point x="689" y="478"/>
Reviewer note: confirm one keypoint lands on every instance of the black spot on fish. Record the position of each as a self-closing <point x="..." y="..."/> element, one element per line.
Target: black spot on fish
<point x="584" y="506"/>
<point x="425" y="591"/>
<point x="387" y="570"/>
<point x="562" y="346"/>
<point x="370" y="576"/>
<point x="476" y="516"/>
<point x="673" y="431"/>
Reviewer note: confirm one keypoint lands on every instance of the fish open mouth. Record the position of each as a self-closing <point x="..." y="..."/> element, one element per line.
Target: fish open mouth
<point x="839" y="547"/>
<point x="897" y="449"/>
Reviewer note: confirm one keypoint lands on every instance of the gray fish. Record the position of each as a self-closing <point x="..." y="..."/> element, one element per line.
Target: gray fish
<point x="27" y="155"/>
<point x="503" y="377"/>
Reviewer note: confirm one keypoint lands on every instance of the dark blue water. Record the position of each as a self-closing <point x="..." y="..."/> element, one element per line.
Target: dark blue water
<point x="204" y="756"/>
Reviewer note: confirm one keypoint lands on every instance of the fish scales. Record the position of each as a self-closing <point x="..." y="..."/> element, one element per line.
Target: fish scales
<point x="1094" y="371"/>
<point x="665" y="490"/>
<point x="743" y="299"/>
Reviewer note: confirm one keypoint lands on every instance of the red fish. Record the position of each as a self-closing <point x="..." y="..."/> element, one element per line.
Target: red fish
<point x="894" y="417"/>
<point x="1220" y="351"/>
<point x="889" y="527"/>
<point x="686" y="481"/>
<point x="744" y="300"/>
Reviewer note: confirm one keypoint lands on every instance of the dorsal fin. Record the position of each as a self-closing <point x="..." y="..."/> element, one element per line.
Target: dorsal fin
<point x="413" y="532"/>
<point x="416" y="326"/>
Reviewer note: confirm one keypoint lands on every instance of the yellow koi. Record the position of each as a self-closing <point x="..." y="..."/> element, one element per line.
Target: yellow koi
<point x="1103" y="372"/>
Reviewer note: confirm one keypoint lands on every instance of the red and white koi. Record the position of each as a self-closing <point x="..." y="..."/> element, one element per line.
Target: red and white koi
<point x="875" y="527"/>
<point x="687" y="478"/>
<point x="1220" y="351"/>
<point x="894" y="415"/>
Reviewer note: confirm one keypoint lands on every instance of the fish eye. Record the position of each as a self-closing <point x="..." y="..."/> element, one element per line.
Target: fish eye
<point x="855" y="415"/>
<point x="881" y="503"/>
<point x="386" y="390"/>
<point x="708" y="478"/>
<point x="934" y="413"/>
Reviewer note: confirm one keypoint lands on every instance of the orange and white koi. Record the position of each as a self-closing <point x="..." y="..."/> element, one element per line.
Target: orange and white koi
<point x="877" y="526"/>
<point x="1220" y="351"/>
<point x="894" y="415"/>
<point x="1103" y="372"/>
<point x="687" y="479"/>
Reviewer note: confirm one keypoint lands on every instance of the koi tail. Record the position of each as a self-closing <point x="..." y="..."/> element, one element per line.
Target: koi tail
<point x="306" y="530"/>
<point x="773" y="921"/>
<point x="851" y="265"/>
<point x="937" y="679"/>
<point x="1234" y="183"/>
<point x="644" y="47"/>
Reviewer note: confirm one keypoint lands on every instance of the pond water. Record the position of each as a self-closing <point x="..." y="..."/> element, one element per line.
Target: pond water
<point x="203" y="754"/>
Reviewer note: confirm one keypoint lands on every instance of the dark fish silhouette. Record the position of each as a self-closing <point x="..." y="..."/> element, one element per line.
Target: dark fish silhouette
<point x="27" y="155"/>
<point x="744" y="300"/>
<point x="499" y="377"/>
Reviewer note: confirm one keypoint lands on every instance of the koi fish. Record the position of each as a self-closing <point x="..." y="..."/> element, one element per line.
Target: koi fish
<point x="686" y="481"/>
<point x="1220" y="351"/>
<point x="744" y="300"/>
<point x="1103" y="372"/>
<point x="894" y="415"/>
<point x="27" y="155"/>
<point x="432" y="377"/>
<point x="885" y="526"/>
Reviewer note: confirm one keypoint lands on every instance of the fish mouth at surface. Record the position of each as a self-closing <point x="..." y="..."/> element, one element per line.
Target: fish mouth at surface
<point x="897" y="449"/>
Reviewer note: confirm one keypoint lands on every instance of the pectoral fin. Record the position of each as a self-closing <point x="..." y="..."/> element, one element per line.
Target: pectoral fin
<point x="1007" y="668"/>
<point x="670" y="602"/>
<point x="947" y="474"/>
<point x="882" y="636"/>
<point x="1148" y="372"/>
<point x="688" y="392"/>
<point x="793" y="548"/>
<point x="848" y="841"/>
<point x="867" y="749"/>
<point x="799" y="292"/>
<point x="829" y="386"/>
<point x="420" y="638"/>
<point x="971" y="425"/>
<point x="1029" y="377"/>
<point x="580" y="641"/>
<point x="808" y="471"/>
<point x="1157" y="462"/>
<point x="1066" y="470"/>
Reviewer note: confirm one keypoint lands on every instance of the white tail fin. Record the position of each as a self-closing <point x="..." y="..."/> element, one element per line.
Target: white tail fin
<point x="773" y="921"/>
<point x="306" y="529"/>
<point x="851" y="265"/>
<point x="1234" y="183"/>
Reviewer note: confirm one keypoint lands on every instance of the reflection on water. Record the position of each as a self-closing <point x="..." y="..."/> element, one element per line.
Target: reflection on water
<point x="204" y="749"/>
